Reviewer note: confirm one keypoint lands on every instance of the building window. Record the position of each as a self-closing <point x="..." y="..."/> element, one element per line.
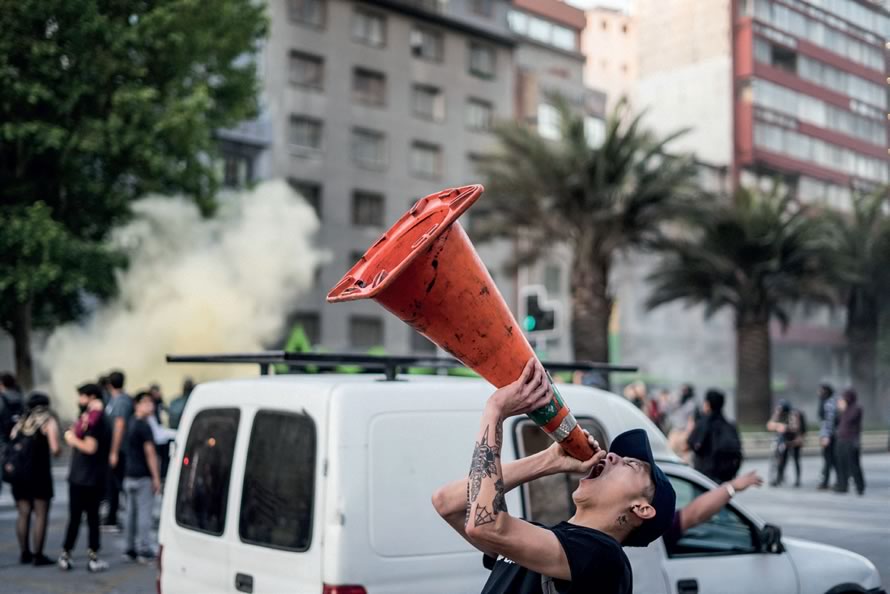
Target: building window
<point x="426" y="159"/>
<point x="367" y="209"/>
<point x="307" y="12"/>
<point x="428" y="102"/>
<point x="369" y="28"/>
<point x="594" y="131"/>
<point x="237" y="170"/>
<point x="549" y="124"/>
<point x="365" y="332"/>
<point x="427" y="44"/>
<point x="479" y="114"/>
<point x="310" y="191"/>
<point x="369" y="87"/>
<point x="483" y="7"/>
<point x="310" y="323"/>
<point x="482" y="60"/>
<point x="368" y="148"/>
<point x="306" y="70"/>
<point x="305" y="132"/>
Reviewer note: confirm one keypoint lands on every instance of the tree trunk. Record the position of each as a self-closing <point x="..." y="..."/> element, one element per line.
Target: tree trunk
<point x="21" y="336"/>
<point x="591" y="306"/>
<point x="862" y="344"/>
<point x="753" y="370"/>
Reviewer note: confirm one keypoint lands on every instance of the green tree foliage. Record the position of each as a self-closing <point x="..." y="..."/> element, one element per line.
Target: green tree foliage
<point x="596" y="200"/>
<point x="101" y="103"/>
<point x="863" y="261"/>
<point x="757" y="256"/>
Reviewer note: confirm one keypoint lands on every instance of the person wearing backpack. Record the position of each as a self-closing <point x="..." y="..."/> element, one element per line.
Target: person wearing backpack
<point x="11" y="408"/>
<point x="715" y="441"/>
<point x="34" y="438"/>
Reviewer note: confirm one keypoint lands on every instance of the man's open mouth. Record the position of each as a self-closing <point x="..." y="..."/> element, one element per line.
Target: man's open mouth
<point x="597" y="470"/>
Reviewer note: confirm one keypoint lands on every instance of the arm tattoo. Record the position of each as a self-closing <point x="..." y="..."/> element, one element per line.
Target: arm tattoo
<point x="469" y="505"/>
<point x="483" y="516"/>
<point x="483" y="465"/>
<point x="499" y="503"/>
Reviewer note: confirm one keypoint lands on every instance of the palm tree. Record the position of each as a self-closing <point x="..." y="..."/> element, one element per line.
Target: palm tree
<point x="756" y="256"/>
<point x="864" y="259"/>
<point x="595" y="200"/>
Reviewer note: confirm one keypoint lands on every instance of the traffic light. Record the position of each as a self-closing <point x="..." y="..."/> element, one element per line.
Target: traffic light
<point x="538" y="317"/>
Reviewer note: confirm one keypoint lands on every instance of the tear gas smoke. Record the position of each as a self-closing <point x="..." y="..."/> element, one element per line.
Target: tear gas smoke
<point x="193" y="285"/>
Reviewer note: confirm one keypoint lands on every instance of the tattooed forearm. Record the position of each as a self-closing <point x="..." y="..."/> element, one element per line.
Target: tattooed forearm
<point x="499" y="503"/>
<point x="484" y="465"/>
<point x="469" y="505"/>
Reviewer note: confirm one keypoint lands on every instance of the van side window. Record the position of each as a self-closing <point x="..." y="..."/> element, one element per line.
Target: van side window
<point x="548" y="500"/>
<point x="203" y="490"/>
<point x="279" y="482"/>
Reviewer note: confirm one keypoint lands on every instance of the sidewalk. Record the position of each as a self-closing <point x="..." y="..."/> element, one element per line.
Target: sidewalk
<point x="760" y="444"/>
<point x="123" y="577"/>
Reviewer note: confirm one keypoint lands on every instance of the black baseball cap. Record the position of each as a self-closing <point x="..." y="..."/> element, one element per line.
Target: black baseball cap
<point x="635" y="444"/>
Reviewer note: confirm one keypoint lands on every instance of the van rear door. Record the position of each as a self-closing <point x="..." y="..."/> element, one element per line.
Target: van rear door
<point x="279" y="498"/>
<point x="196" y="502"/>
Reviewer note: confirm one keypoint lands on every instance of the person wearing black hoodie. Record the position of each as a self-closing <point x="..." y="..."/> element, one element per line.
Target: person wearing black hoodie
<point x="715" y="442"/>
<point x="849" y="434"/>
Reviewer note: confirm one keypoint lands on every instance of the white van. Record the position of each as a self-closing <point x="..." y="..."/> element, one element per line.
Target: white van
<point x="321" y="484"/>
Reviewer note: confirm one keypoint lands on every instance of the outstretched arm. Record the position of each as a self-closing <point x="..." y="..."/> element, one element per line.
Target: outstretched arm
<point x="705" y="506"/>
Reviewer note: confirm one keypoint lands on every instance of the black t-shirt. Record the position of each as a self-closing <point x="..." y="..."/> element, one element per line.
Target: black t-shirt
<point x="138" y="433"/>
<point x="88" y="470"/>
<point x="597" y="563"/>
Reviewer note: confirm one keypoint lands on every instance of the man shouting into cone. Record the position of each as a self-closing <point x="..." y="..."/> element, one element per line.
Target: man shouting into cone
<point x="625" y="500"/>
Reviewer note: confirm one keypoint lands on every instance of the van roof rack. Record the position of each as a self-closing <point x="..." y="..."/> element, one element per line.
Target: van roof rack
<point x="389" y="364"/>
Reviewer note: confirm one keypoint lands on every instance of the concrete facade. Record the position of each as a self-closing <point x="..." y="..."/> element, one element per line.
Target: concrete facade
<point x="609" y="43"/>
<point x="332" y="171"/>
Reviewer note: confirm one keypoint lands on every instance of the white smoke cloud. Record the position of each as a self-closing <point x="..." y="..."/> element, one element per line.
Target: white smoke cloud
<point x="193" y="285"/>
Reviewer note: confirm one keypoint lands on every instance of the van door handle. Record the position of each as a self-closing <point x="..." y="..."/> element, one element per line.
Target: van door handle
<point x="243" y="582"/>
<point x="687" y="587"/>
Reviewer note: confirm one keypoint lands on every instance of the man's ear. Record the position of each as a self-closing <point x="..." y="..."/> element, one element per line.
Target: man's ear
<point x="643" y="510"/>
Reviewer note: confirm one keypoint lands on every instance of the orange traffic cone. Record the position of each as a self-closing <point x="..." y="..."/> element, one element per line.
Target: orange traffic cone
<point x="425" y="270"/>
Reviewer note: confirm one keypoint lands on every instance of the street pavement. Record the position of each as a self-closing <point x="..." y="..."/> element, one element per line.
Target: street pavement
<point x="122" y="577"/>
<point x="860" y="524"/>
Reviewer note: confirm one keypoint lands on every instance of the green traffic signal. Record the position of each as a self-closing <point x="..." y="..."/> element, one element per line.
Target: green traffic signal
<point x="530" y="323"/>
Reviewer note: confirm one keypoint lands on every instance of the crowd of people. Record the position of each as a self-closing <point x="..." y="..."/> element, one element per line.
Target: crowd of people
<point x="119" y="452"/>
<point x="701" y="435"/>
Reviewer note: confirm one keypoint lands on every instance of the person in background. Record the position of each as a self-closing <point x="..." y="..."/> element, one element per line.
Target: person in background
<point x="654" y="411"/>
<point x="105" y="385"/>
<point x="715" y="441"/>
<point x="849" y="435"/>
<point x="119" y="411"/>
<point x="90" y="440"/>
<point x="11" y="409"/>
<point x="37" y="432"/>
<point x="142" y="479"/>
<point x="681" y="420"/>
<point x="707" y="505"/>
<point x="828" y="419"/>
<point x="162" y="435"/>
<point x="788" y="425"/>
<point x="176" y="408"/>
<point x="636" y="393"/>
